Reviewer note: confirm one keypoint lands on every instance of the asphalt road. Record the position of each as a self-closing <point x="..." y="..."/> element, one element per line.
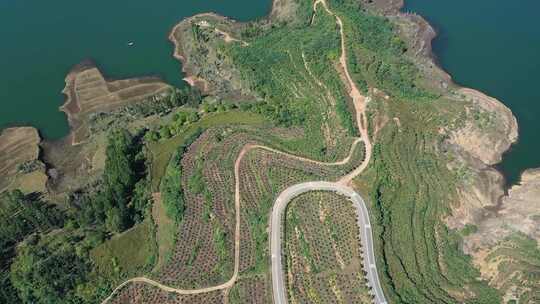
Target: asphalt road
<point x="364" y="226"/>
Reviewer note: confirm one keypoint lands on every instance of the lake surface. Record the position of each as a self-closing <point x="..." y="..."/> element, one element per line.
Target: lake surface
<point x="490" y="45"/>
<point x="42" y="40"/>
<point x="494" y="46"/>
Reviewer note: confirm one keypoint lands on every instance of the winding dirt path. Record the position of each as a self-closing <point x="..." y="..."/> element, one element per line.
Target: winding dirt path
<point x="245" y="150"/>
<point x="359" y="102"/>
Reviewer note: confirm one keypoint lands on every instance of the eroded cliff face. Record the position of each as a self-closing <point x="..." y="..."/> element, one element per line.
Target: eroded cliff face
<point x="519" y="212"/>
<point x="491" y="131"/>
<point x="503" y="243"/>
<point x="521" y="208"/>
<point x="478" y="139"/>
<point x="488" y="130"/>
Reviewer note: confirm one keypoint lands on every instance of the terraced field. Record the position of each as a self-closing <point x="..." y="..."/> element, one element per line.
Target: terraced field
<point x="294" y="82"/>
<point x="411" y="187"/>
<point x="209" y="210"/>
<point x="214" y="199"/>
<point x="143" y="293"/>
<point x="204" y="253"/>
<point x="88" y="92"/>
<point x="293" y="70"/>
<point x="321" y="95"/>
<point x="300" y="80"/>
<point x="19" y="164"/>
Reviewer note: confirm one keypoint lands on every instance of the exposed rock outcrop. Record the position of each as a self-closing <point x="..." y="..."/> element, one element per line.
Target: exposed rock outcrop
<point x="489" y="129"/>
<point x="519" y="211"/>
<point x="503" y="246"/>
<point x="489" y="138"/>
<point x="504" y="223"/>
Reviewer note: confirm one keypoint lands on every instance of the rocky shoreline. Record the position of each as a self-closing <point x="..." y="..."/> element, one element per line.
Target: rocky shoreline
<point x="477" y="145"/>
<point x="87" y="93"/>
<point x="85" y="85"/>
<point x="498" y="214"/>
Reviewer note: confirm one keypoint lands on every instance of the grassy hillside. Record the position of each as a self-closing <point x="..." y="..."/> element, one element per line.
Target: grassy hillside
<point x="411" y="191"/>
<point x="292" y="68"/>
<point x="294" y="71"/>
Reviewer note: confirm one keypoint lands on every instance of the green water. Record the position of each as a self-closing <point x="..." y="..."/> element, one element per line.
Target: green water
<point x="42" y="40"/>
<point x="494" y="46"/>
<point x="490" y="45"/>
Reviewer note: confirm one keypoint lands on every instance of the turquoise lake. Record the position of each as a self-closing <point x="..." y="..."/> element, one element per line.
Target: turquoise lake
<point x="43" y="40"/>
<point x="494" y="46"/>
<point x="490" y="45"/>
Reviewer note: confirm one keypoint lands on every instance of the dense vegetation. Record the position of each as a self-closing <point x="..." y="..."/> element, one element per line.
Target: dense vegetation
<point x="47" y="269"/>
<point x="294" y="72"/>
<point x="106" y="232"/>
<point x="46" y="253"/>
<point x="21" y="215"/>
<point x="376" y="55"/>
<point x="411" y="187"/>
<point x="289" y="66"/>
<point x="122" y="181"/>
<point x="171" y="187"/>
<point x="155" y="105"/>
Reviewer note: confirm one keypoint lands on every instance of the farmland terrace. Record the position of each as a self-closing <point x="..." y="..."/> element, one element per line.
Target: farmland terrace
<point x="358" y="101"/>
<point x="320" y="156"/>
<point x="309" y="66"/>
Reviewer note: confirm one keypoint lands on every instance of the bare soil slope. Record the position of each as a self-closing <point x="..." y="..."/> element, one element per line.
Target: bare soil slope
<point x="18" y="147"/>
<point x="88" y="92"/>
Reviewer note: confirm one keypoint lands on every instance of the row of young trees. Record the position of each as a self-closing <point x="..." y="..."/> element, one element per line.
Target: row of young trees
<point x="377" y="54"/>
<point x="46" y="251"/>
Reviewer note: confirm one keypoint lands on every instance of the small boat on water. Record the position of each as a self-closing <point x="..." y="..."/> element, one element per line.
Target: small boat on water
<point x="131" y="43"/>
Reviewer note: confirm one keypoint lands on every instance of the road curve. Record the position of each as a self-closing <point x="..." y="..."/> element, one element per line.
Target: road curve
<point x="359" y="102"/>
<point x="232" y="280"/>
<point x="364" y="226"/>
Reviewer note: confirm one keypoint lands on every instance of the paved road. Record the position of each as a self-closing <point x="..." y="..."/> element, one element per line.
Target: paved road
<point x="280" y="292"/>
<point x="364" y="226"/>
